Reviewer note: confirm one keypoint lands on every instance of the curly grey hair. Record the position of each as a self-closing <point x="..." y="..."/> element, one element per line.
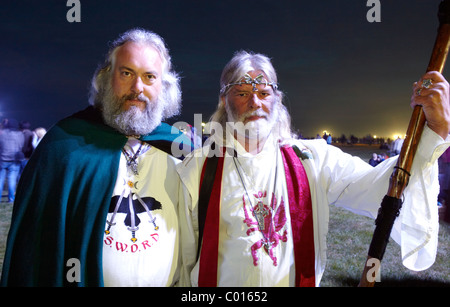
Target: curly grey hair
<point x="171" y="90"/>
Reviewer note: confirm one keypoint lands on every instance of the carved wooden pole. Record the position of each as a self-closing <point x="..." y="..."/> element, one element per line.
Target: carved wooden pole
<point x="390" y="207"/>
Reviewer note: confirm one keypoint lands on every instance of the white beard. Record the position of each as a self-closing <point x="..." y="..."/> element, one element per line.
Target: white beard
<point x="253" y="130"/>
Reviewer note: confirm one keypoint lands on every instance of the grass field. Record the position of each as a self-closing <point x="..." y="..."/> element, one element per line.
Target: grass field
<point x="348" y="241"/>
<point x="5" y="221"/>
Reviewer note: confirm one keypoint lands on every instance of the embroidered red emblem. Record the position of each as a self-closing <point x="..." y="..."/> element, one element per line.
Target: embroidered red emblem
<point x="267" y="223"/>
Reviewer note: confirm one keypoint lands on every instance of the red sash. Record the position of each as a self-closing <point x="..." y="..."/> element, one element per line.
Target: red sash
<point x="300" y="208"/>
<point x="210" y="245"/>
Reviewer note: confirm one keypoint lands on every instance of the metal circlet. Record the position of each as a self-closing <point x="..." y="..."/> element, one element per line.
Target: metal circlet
<point x="247" y="79"/>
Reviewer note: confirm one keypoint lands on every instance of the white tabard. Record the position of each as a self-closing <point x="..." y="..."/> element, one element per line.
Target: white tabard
<point x="251" y="180"/>
<point x="140" y="246"/>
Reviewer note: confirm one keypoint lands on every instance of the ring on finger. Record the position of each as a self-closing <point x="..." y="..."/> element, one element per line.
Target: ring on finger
<point x="419" y="91"/>
<point x="426" y="83"/>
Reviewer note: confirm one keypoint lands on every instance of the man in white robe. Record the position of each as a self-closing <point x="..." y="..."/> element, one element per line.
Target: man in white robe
<point x="251" y="230"/>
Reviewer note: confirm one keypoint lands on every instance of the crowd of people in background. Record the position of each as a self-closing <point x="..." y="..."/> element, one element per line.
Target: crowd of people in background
<point x="17" y="143"/>
<point x="377" y="158"/>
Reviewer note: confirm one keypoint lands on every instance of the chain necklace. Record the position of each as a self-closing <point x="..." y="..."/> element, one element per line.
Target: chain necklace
<point x="132" y="164"/>
<point x="132" y="160"/>
<point x="258" y="211"/>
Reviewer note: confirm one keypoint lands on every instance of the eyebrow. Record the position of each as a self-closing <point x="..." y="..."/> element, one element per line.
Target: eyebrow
<point x="130" y="69"/>
<point x="240" y="89"/>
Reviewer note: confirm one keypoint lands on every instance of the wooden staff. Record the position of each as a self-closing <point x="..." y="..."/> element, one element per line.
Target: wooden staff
<point x="391" y="204"/>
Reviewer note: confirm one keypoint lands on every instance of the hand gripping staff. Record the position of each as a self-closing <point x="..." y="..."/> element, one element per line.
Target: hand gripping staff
<point x="391" y="204"/>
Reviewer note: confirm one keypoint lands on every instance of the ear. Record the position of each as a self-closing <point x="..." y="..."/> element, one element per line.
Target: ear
<point x="223" y="100"/>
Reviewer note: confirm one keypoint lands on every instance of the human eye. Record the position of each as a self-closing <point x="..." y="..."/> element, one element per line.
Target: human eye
<point x="241" y="94"/>
<point x="150" y="77"/>
<point x="265" y="93"/>
<point x="125" y="73"/>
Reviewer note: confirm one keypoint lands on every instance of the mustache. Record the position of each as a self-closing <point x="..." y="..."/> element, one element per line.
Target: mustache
<point x="135" y="96"/>
<point x="259" y="113"/>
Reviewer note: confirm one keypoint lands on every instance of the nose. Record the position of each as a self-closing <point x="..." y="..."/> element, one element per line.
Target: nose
<point x="254" y="102"/>
<point x="137" y="86"/>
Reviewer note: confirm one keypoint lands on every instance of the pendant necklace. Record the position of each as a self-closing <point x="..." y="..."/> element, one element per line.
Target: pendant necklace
<point x="132" y="160"/>
<point x="258" y="211"/>
<point x="131" y="166"/>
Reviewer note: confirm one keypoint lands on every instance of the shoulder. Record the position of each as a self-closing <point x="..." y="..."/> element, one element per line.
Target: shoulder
<point x="88" y="122"/>
<point x="81" y="130"/>
<point x="166" y="159"/>
<point x="319" y="152"/>
<point x="190" y="169"/>
<point x="315" y="146"/>
<point x="170" y="140"/>
<point x="194" y="160"/>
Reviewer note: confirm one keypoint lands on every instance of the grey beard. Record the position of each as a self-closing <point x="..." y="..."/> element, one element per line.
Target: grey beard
<point x="132" y="121"/>
<point x="136" y="122"/>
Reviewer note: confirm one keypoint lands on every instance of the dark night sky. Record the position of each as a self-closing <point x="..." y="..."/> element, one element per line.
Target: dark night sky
<point x="340" y="73"/>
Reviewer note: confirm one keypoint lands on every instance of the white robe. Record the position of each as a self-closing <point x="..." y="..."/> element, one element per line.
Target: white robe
<point x="152" y="258"/>
<point x="334" y="178"/>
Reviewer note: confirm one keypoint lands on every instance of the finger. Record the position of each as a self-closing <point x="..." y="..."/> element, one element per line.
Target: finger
<point x="435" y="89"/>
<point x="424" y="90"/>
<point x="430" y="95"/>
<point x="428" y="80"/>
<point x="433" y="75"/>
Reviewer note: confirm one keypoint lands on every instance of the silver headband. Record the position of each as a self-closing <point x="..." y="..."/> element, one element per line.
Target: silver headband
<point x="247" y="79"/>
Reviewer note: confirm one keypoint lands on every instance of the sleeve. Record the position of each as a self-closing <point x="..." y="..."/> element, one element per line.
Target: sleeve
<point x="189" y="237"/>
<point x="189" y="172"/>
<point x="351" y="183"/>
<point x="418" y="225"/>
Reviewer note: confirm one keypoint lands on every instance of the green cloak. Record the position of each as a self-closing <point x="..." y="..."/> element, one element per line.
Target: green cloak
<point x="63" y="198"/>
